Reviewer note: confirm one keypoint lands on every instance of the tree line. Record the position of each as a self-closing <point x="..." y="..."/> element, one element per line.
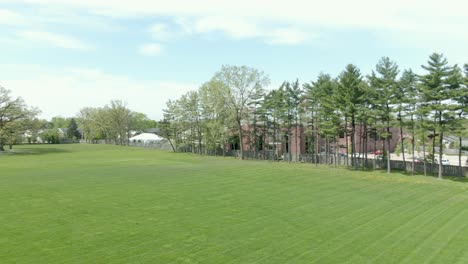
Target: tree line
<point x="426" y="106"/>
<point x="113" y="123"/>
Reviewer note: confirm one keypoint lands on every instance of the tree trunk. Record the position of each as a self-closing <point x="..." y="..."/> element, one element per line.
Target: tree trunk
<point x="241" y="147"/>
<point x="412" y="145"/>
<point x="289" y="142"/>
<point x="433" y="151"/>
<point x="460" y="169"/>
<point x="327" y="151"/>
<point x="388" y="149"/>
<point x="353" y="143"/>
<point x="365" y="145"/>
<point x="402" y="146"/>
<point x="375" y="147"/>
<point x="347" y="143"/>
<point x="273" y="157"/>
<point x="317" y="148"/>
<point x="224" y="147"/>
<point x="336" y="150"/>
<point x="412" y="153"/>
<point x="424" y="153"/>
<point x="441" y="142"/>
<point x="200" y="151"/>
<point x="172" y="146"/>
<point x="297" y="148"/>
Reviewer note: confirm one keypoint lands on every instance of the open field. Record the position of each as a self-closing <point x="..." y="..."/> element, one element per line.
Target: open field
<point x="109" y="204"/>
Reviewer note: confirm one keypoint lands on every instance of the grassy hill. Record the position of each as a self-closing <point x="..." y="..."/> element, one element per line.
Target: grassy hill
<point x="110" y="204"/>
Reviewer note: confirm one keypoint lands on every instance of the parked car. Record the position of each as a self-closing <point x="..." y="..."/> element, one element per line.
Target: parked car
<point x="445" y="162"/>
<point x="418" y="160"/>
<point x="360" y="155"/>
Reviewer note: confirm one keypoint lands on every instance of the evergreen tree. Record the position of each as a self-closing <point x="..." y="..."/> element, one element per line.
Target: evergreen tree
<point x="276" y="108"/>
<point x="72" y="131"/>
<point x="408" y="97"/>
<point x="312" y="99"/>
<point x="460" y="125"/>
<point x="437" y="90"/>
<point x="294" y="95"/>
<point x="350" y="95"/>
<point x="328" y="120"/>
<point x="385" y="85"/>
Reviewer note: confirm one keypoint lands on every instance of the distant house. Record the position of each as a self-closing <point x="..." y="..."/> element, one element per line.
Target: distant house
<point x="29" y="137"/>
<point x="62" y="132"/>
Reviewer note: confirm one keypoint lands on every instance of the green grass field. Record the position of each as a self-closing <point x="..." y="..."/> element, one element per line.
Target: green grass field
<point x="109" y="204"/>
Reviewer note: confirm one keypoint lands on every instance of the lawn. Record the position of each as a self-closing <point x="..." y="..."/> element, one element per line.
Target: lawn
<point x="109" y="204"/>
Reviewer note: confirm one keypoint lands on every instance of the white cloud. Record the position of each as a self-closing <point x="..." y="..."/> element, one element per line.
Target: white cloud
<point x="152" y="49"/>
<point x="53" y="39"/>
<point x="398" y="14"/>
<point x="245" y="28"/>
<point x="160" y="31"/>
<point x="285" y="22"/>
<point x="8" y="17"/>
<point x="65" y="91"/>
<point x="184" y="24"/>
<point x="287" y="36"/>
<point x="233" y="27"/>
<point x="56" y="15"/>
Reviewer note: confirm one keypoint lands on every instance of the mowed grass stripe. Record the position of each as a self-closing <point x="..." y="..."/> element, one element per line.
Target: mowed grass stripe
<point x="108" y="204"/>
<point x="393" y="239"/>
<point x="336" y="220"/>
<point x="358" y="229"/>
<point x="289" y="217"/>
<point x="361" y="243"/>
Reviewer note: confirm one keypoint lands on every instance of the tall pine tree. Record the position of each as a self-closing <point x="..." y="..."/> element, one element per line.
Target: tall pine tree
<point x="384" y="82"/>
<point x="437" y="92"/>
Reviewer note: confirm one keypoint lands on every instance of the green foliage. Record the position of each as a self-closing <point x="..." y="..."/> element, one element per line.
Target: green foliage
<point x="233" y="104"/>
<point x="350" y="97"/>
<point x="140" y="122"/>
<point x="50" y="136"/>
<point x="59" y="122"/>
<point x="438" y="87"/>
<point x="113" y="122"/>
<point x="15" y="117"/>
<point x="244" y="85"/>
<point x="72" y="130"/>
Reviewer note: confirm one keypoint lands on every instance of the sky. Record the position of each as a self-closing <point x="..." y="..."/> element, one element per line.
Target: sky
<point x="63" y="55"/>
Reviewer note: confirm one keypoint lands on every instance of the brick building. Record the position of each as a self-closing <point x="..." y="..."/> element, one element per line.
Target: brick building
<point x="302" y="141"/>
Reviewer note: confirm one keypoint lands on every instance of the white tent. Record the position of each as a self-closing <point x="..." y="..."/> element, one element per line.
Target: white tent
<point x="145" y="138"/>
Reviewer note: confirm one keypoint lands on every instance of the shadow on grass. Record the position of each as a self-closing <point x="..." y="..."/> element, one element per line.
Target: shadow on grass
<point x="32" y="151"/>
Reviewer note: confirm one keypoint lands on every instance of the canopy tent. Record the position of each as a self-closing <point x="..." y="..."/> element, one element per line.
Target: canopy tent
<point x="145" y="138"/>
